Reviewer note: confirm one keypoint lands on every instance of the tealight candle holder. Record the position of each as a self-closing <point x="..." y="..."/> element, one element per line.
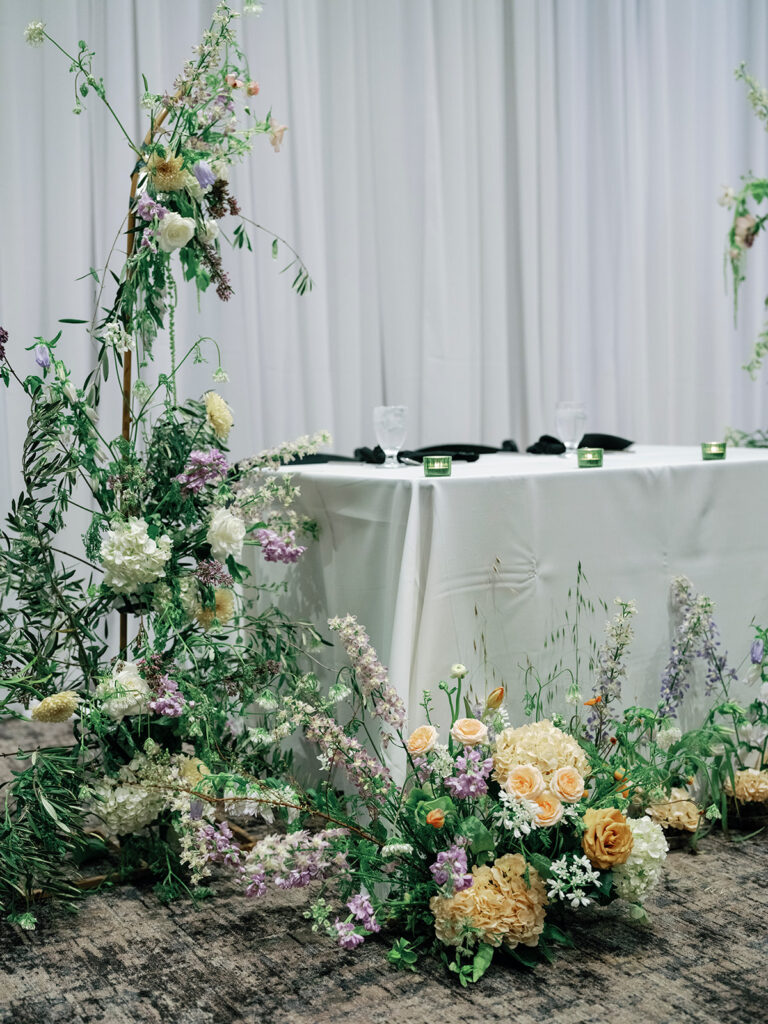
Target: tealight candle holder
<point x="437" y="465"/>
<point x="713" y="450"/>
<point x="589" y="457"/>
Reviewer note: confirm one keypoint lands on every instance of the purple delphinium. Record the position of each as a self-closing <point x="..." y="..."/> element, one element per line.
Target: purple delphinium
<point x="219" y="843"/>
<point x="147" y="208"/>
<point x="3" y="342"/>
<point x="279" y="549"/>
<point x="362" y="908"/>
<point x="292" y="861"/>
<point x="170" y="700"/>
<point x="756" y="652"/>
<point x="204" y="174"/>
<point x="42" y="356"/>
<point x="474" y="769"/>
<point x="348" y="937"/>
<point x="203" y="468"/>
<point x="213" y="574"/>
<point x="450" y="869"/>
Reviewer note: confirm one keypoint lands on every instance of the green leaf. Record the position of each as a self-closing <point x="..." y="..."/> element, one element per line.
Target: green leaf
<point x="555" y="934"/>
<point x="480" y="838"/>
<point x="542" y="864"/>
<point x="482" y="961"/>
<point x="71" y="320"/>
<point x="274" y="248"/>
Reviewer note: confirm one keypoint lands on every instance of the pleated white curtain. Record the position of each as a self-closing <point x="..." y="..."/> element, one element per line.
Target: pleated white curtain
<point x="502" y="203"/>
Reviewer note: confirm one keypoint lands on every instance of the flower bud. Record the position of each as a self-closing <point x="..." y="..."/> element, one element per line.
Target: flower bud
<point x="436" y="818"/>
<point x="458" y="671"/>
<point x="495" y="699"/>
<point x="252" y="88"/>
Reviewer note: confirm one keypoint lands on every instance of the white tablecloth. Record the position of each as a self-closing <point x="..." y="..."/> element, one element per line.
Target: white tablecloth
<point x="476" y="568"/>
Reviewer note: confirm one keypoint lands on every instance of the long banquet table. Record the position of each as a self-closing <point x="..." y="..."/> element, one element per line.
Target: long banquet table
<point x="477" y="567"/>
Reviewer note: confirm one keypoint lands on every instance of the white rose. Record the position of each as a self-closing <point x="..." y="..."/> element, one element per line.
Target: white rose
<point x="174" y="231"/>
<point x="210" y="233"/>
<point x="225" y="534"/>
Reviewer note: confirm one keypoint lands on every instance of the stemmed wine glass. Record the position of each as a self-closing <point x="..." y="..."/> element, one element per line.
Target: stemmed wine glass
<point x="571" y="417"/>
<point x="389" y="424"/>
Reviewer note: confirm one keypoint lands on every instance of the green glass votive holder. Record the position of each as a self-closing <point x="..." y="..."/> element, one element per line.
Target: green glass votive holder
<point x="437" y="465"/>
<point x="713" y="450"/>
<point x="589" y="457"/>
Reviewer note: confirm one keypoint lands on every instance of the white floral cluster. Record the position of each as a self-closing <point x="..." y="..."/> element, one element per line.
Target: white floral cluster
<point x="242" y="804"/>
<point x="131" y="557"/>
<point x="442" y="763"/>
<point x="116" y="335"/>
<point x="123" y="804"/>
<point x="126" y="692"/>
<point x="668" y="736"/>
<point x="515" y="814"/>
<point x="392" y="850"/>
<point x="569" y="880"/>
<point x="641" y="871"/>
<point x="288" y="451"/>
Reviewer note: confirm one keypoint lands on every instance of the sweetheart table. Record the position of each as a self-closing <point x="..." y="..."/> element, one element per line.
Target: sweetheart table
<point x="477" y="567"/>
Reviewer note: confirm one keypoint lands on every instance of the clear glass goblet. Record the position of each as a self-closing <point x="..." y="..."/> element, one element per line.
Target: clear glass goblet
<point x="571" y="417"/>
<point x="389" y="424"/>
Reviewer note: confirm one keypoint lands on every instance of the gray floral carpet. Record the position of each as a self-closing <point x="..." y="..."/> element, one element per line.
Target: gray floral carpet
<point x="124" y="958"/>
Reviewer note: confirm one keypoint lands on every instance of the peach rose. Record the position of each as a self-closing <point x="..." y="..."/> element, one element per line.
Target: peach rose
<point x="567" y="784"/>
<point x="525" y="781"/>
<point x="550" y="810"/>
<point x="469" y="731"/>
<point x="436" y="818"/>
<point x="422" y="740"/>
<point x="608" y="837"/>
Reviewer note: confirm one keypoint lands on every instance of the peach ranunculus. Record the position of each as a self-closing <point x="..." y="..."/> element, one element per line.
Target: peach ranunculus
<point x="436" y="818"/>
<point x="550" y="810"/>
<point x="568" y="785"/>
<point x="608" y="837"/>
<point x="422" y="740"/>
<point x="495" y="699"/>
<point x="469" y="731"/>
<point x="525" y="781"/>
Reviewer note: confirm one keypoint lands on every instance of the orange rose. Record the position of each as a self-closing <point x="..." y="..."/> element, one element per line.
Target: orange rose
<point x="469" y="731"/>
<point x="550" y="810"/>
<point x="436" y="818"/>
<point x="525" y="781"/>
<point x="607" y="839"/>
<point x="567" y="784"/>
<point x="422" y="740"/>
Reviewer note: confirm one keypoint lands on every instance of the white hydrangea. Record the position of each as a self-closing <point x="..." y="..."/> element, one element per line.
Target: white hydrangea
<point x="126" y="692"/>
<point x="634" y="879"/>
<point x="123" y="805"/>
<point x="131" y="557"/>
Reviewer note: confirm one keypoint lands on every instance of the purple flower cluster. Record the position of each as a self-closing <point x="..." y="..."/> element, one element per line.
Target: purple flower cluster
<point x="279" y="549"/>
<point x="203" y="468"/>
<point x="696" y="636"/>
<point x="219" y="844"/>
<point x="362" y="909"/>
<point x="450" y="868"/>
<point x="292" y="861"/>
<point x="147" y="208"/>
<point x="348" y="938"/>
<point x="371" y="674"/>
<point x="3" y="342"/>
<point x="474" y="769"/>
<point x="170" y="700"/>
<point x="213" y="574"/>
<point x="367" y="775"/>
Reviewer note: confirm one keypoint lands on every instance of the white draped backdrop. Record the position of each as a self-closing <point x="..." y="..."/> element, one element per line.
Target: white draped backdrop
<point x="503" y="203"/>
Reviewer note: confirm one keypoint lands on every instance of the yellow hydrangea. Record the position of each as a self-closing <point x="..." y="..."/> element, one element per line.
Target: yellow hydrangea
<point x="219" y="415"/>
<point x="59" y="707"/>
<point x="540" y="744"/>
<point x="751" y="786"/>
<point x="678" y="811"/>
<point x="499" y="904"/>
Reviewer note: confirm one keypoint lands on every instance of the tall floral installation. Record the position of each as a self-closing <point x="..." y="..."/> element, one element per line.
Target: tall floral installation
<point x="166" y="519"/>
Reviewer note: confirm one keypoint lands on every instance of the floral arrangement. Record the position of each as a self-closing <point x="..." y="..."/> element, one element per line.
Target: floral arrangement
<point x="166" y="517"/>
